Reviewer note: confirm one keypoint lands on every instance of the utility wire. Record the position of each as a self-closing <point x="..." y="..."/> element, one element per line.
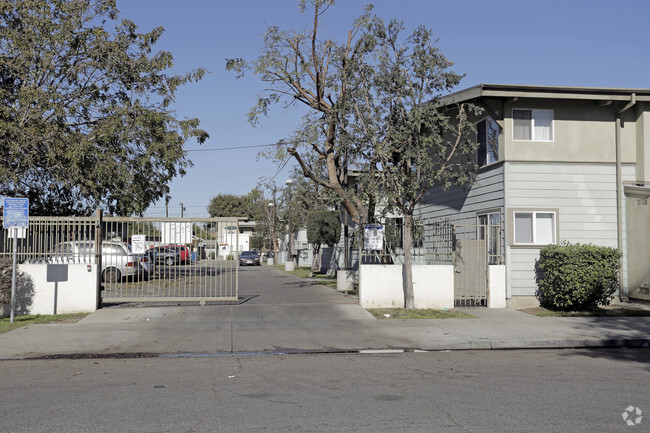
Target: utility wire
<point x="278" y="172"/>
<point x="216" y="149"/>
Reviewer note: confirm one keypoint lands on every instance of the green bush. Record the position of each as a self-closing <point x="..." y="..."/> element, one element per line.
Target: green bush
<point x="576" y="276"/>
<point x="323" y="227"/>
<point x="6" y="267"/>
<point x="230" y="257"/>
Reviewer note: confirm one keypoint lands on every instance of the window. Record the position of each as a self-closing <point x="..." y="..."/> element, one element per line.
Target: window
<point x="490" y="231"/>
<point x="535" y="228"/>
<point x="487" y="135"/>
<point x="532" y="125"/>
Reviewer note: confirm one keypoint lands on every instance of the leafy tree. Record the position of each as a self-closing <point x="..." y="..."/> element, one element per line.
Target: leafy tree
<point x="265" y="216"/>
<point x="373" y="106"/>
<point x="202" y="232"/>
<point x="86" y="116"/>
<point x="301" y="197"/>
<point x="415" y="144"/>
<point x="257" y="241"/>
<point x="229" y="205"/>
<point x="305" y="68"/>
<point x="323" y="227"/>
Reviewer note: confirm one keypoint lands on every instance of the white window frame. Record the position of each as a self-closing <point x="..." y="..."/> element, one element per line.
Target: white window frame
<point x="532" y="124"/>
<point x="488" y="161"/>
<point x="493" y="246"/>
<point x="534" y="228"/>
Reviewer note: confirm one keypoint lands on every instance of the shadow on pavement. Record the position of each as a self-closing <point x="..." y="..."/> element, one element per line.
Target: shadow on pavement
<point x="638" y="355"/>
<point x="242" y="300"/>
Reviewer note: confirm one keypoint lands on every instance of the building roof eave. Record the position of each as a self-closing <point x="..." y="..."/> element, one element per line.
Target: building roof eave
<point x="511" y="91"/>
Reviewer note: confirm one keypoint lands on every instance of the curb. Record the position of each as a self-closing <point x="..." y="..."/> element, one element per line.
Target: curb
<point x="616" y="343"/>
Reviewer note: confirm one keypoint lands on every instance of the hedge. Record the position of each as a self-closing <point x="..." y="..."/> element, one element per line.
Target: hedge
<point x="577" y="276"/>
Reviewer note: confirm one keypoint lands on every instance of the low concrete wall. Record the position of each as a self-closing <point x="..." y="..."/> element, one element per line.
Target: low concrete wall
<point x="497" y="286"/>
<point x="517" y="302"/>
<point x="380" y="286"/>
<point x="36" y="295"/>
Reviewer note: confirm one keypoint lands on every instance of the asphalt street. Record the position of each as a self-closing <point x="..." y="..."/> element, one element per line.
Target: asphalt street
<point x="448" y="391"/>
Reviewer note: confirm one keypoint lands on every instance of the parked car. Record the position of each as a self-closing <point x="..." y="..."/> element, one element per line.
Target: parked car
<point x="118" y="261"/>
<point x="249" y="258"/>
<point x="168" y="254"/>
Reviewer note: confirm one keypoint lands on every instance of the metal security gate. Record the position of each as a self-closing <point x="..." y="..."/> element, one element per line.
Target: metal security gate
<point x="169" y="259"/>
<point x="475" y="247"/>
<point x="180" y="259"/>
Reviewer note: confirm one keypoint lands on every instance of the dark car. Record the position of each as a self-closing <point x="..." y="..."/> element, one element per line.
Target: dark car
<point x="249" y="258"/>
<point x="168" y="254"/>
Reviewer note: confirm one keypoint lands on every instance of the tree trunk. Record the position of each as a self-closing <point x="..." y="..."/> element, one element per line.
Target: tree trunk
<point x="275" y="248"/>
<point x="316" y="255"/>
<point x="407" y="270"/>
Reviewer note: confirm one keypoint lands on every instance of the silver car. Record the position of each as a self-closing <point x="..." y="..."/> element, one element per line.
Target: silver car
<point x="118" y="261"/>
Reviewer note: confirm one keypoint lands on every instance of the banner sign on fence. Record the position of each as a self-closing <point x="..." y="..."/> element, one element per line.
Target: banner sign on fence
<point x="15" y="213"/>
<point x="176" y="232"/>
<point x="138" y="244"/>
<point x="373" y="238"/>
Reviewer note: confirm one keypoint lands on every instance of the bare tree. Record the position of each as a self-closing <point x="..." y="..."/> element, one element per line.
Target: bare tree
<point x="302" y="68"/>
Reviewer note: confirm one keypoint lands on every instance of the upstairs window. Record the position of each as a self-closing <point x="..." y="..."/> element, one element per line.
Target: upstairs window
<point x="532" y="125"/>
<point x="487" y="135"/>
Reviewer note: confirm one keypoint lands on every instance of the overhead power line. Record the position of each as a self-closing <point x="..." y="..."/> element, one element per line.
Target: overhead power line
<point x="217" y="149"/>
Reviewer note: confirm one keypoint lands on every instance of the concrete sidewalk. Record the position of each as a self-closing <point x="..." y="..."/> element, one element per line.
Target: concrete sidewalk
<point x="284" y="314"/>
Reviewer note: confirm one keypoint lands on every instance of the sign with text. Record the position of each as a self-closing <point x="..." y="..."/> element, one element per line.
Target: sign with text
<point x="176" y="232"/>
<point x="373" y="238"/>
<point x="138" y="244"/>
<point x="15" y="213"/>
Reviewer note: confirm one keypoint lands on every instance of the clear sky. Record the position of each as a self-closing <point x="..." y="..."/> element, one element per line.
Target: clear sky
<point x="600" y="43"/>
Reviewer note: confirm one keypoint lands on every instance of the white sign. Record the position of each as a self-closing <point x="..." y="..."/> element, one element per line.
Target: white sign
<point x="176" y="233"/>
<point x="373" y="238"/>
<point x="138" y="244"/>
<point x="20" y="234"/>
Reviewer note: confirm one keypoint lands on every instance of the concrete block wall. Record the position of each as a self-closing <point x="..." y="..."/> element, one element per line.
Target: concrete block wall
<point x="36" y="295"/>
<point x="380" y="286"/>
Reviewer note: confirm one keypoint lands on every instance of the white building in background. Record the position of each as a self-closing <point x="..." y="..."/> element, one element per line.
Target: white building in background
<point x="233" y="241"/>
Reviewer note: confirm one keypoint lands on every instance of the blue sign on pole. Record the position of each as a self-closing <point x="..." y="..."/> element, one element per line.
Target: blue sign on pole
<point x="16" y="213"/>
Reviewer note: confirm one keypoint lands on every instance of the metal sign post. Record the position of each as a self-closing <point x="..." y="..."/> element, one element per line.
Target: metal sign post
<point x="15" y="216"/>
<point x="13" y="276"/>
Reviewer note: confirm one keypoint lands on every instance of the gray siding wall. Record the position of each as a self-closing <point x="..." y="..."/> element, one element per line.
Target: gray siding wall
<point x="487" y="194"/>
<point x="583" y="194"/>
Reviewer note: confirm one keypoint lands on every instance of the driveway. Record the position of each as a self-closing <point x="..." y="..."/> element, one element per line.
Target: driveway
<point x="278" y="312"/>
